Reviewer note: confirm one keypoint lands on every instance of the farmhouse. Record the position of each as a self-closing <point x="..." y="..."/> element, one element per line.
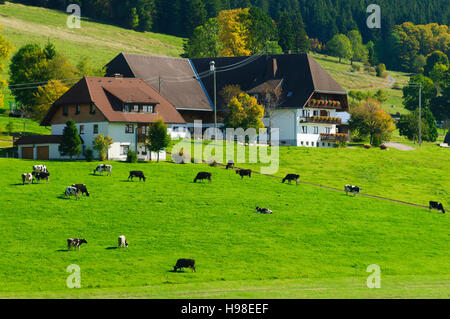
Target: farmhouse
<point x="301" y="99"/>
<point x="119" y="108"/>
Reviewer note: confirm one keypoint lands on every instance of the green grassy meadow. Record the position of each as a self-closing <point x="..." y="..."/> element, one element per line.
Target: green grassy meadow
<point x="317" y="244"/>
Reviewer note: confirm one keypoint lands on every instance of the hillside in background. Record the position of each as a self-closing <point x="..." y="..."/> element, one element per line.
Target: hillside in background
<point x="101" y="42"/>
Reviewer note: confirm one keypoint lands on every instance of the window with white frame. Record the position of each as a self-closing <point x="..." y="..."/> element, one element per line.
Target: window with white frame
<point x="327" y="130"/>
<point x="316" y="130"/>
<point x="124" y="149"/>
<point x="81" y="129"/>
<point x="144" y="109"/>
<point x="95" y="128"/>
<point x="129" y="129"/>
<point x="136" y="108"/>
<point x="304" y="129"/>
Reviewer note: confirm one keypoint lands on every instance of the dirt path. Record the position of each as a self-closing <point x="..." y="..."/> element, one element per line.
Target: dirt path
<point x="399" y="146"/>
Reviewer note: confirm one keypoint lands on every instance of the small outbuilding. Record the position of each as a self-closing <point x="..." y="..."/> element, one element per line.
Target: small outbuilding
<point x="39" y="147"/>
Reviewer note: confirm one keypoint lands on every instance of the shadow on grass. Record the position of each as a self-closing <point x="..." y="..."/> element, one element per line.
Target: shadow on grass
<point x="61" y="250"/>
<point x="110" y="248"/>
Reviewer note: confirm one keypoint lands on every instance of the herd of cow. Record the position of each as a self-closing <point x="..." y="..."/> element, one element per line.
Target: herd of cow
<point x="41" y="172"/>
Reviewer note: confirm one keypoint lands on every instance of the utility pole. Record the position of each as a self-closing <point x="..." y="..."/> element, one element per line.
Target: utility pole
<point x="212" y="68"/>
<point x="420" y="114"/>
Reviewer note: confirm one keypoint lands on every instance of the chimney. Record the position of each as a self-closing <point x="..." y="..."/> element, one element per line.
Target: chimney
<point x="118" y="76"/>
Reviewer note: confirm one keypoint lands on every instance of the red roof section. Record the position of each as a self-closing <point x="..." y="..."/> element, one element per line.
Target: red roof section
<point x="128" y="90"/>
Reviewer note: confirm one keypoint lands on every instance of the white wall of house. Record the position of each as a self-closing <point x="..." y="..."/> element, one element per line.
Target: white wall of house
<point x="285" y="121"/>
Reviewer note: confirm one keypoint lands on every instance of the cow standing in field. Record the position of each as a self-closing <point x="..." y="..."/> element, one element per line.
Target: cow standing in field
<point x="71" y="242"/>
<point x="263" y="210"/>
<point x="103" y="168"/>
<point x="122" y="241"/>
<point x="81" y="188"/>
<point x="436" y="205"/>
<point x="202" y="176"/>
<point x="139" y="174"/>
<point x="230" y="165"/>
<point x="291" y="177"/>
<point x="244" y="172"/>
<point x="41" y="175"/>
<point x="39" y="168"/>
<point x="184" y="263"/>
<point x="352" y="189"/>
<point x="27" y="177"/>
<point x="72" y="191"/>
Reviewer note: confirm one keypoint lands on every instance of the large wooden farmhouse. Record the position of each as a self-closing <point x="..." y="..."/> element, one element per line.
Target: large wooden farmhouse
<point x="117" y="107"/>
<point x="301" y="99"/>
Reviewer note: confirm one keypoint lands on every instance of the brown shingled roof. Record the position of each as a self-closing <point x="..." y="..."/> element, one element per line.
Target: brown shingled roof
<point x="94" y="90"/>
<point x="179" y="83"/>
<point x="39" y="139"/>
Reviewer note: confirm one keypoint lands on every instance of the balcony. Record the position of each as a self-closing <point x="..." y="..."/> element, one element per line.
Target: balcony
<point x="321" y="119"/>
<point x="324" y="104"/>
<point x="334" y="137"/>
<point x="142" y="138"/>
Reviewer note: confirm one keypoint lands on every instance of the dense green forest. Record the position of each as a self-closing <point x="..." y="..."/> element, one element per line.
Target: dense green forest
<point x="323" y="18"/>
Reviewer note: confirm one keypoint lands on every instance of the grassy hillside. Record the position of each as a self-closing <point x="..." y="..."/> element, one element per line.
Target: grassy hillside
<point x="318" y="243"/>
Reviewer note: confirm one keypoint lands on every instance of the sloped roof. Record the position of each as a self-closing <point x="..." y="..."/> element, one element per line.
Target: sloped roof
<point x="269" y="85"/>
<point x="39" y="139"/>
<point x="301" y="75"/>
<point x="94" y="90"/>
<point x="179" y="83"/>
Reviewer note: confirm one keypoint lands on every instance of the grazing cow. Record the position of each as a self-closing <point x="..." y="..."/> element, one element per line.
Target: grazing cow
<point x="352" y="189"/>
<point x="244" y="172"/>
<point x="184" y="263"/>
<point x="27" y="177"/>
<point x="103" y="168"/>
<point x="291" y="177"/>
<point x="41" y="175"/>
<point x="436" y="205"/>
<point x="81" y="188"/>
<point x="230" y="165"/>
<point x="122" y="241"/>
<point x="39" y="168"/>
<point x="71" y="242"/>
<point x="72" y="191"/>
<point x="263" y="210"/>
<point x="202" y="176"/>
<point x="139" y="174"/>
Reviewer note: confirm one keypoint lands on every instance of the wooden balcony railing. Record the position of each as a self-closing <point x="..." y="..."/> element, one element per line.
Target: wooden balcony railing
<point x="325" y="104"/>
<point x="321" y="119"/>
<point x="334" y="137"/>
<point x="142" y="138"/>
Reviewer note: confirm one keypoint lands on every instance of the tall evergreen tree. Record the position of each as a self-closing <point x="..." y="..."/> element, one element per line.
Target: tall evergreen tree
<point x="71" y="141"/>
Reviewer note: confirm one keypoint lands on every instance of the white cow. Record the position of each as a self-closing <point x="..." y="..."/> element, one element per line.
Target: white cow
<point x="103" y="168"/>
<point x="27" y="177"/>
<point x="72" y="191"/>
<point x="39" y="168"/>
<point x="122" y="241"/>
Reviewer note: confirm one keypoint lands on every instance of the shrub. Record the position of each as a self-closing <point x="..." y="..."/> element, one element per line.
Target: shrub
<point x="383" y="147"/>
<point x="89" y="154"/>
<point x="342" y="144"/>
<point x="355" y="67"/>
<point x="380" y="69"/>
<point x="367" y="146"/>
<point x="131" y="156"/>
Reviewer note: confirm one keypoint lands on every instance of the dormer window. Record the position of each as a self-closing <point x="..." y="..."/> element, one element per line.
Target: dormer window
<point x="136" y="108"/>
<point x="77" y="109"/>
<point x="65" y="110"/>
<point x="92" y="109"/>
<point x="126" y="108"/>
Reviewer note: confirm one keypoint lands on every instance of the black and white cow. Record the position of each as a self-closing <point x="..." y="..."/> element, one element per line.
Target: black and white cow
<point x="81" y="188"/>
<point x="352" y="189"/>
<point x="263" y="210"/>
<point x="122" y="241"/>
<point x="103" y="168"/>
<point x="139" y="174"/>
<point x="72" y="191"/>
<point x="41" y="175"/>
<point x="39" y="168"/>
<point x="27" y="177"/>
<point x="244" y="172"/>
<point x="436" y="205"/>
<point x="75" y="242"/>
<point x="291" y="177"/>
<point x="230" y="165"/>
<point x="203" y="175"/>
<point x="184" y="263"/>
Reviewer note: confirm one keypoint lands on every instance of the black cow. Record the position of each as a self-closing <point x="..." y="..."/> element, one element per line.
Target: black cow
<point x="230" y="165"/>
<point x="41" y="175"/>
<point x="352" y="189"/>
<point x="184" y="263"/>
<point x="291" y="177"/>
<point x="81" y="188"/>
<point x="139" y="174"/>
<point x="75" y="242"/>
<point x="202" y="176"/>
<point x="244" y="172"/>
<point x="436" y="205"/>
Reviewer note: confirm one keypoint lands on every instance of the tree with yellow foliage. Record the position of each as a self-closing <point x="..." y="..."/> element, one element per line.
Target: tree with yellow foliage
<point x="234" y="32"/>
<point x="45" y="96"/>
<point x="244" y="112"/>
<point x="5" y="49"/>
<point x="370" y="119"/>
